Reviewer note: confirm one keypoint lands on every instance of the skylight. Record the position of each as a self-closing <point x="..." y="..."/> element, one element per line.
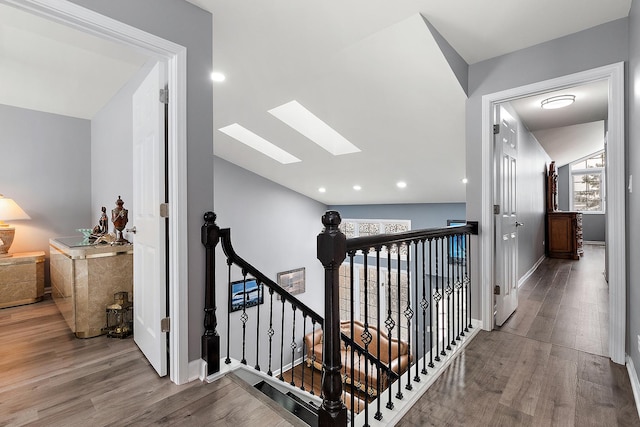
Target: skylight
<point x="305" y="122"/>
<point x="258" y="143"/>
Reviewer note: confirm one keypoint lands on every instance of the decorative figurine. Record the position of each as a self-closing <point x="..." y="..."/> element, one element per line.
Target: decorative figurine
<point x="103" y="225"/>
<point x="119" y="217"/>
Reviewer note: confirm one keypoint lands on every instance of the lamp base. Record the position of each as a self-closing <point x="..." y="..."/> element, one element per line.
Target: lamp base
<point x="6" y="239"/>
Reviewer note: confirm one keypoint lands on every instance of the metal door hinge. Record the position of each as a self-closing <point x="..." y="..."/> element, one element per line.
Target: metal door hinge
<point x="165" y="324"/>
<point x="164" y="96"/>
<point x="496" y="209"/>
<point x="496" y="290"/>
<point x="164" y="210"/>
<point x="496" y="129"/>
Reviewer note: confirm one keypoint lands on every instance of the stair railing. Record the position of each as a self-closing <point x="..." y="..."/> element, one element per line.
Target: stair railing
<point x="431" y="272"/>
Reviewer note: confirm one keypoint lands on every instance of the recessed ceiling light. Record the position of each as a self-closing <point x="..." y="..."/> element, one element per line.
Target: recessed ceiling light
<point x="258" y="143"/>
<point x="305" y="122"/>
<point x="465" y="180"/>
<point x="217" y="76"/>
<point x="557" y="102"/>
<point x="401" y="184"/>
<point x="322" y="190"/>
<point x="357" y="187"/>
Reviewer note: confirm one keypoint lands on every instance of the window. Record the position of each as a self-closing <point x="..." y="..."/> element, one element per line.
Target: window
<point x="586" y="183"/>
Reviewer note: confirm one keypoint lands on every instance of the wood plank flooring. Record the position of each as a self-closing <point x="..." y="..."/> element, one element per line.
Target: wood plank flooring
<point x="50" y="378"/>
<point x="546" y="366"/>
<point x="529" y="373"/>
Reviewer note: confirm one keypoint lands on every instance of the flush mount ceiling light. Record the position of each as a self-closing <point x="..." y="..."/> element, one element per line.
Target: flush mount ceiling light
<point x="322" y="190"/>
<point x="217" y="76"/>
<point x="401" y="184"/>
<point x="305" y="122"/>
<point x="559" y="101"/>
<point x="357" y="187"/>
<point x="258" y="143"/>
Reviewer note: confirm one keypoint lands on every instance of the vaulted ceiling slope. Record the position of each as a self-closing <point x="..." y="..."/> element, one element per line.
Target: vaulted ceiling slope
<point x="374" y="72"/>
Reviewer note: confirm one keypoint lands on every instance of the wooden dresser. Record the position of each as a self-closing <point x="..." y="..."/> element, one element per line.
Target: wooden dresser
<point x="564" y="235"/>
<point x="564" y="229"/>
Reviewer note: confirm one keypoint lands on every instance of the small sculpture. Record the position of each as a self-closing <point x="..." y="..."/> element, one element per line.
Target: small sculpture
<point x="119" y="217"/>
<point x="103" y="225"/>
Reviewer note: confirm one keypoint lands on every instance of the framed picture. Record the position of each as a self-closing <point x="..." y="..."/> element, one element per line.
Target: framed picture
<point x="245" y="294"/>
<point x="292" y="281"/>
<point x="457" y="249"/>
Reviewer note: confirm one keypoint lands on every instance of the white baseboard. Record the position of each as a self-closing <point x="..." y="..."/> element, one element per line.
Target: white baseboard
<point x="531" y="271"/>
<point x="635" y="384"/>
<point x="197" y="369"/>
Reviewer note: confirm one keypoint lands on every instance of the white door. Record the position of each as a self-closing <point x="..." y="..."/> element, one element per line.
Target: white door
<point x="505" y="210"/>
<point x="149" y="259"/>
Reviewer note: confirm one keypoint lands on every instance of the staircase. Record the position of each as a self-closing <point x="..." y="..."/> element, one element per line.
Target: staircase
<point x="414" y="289"/>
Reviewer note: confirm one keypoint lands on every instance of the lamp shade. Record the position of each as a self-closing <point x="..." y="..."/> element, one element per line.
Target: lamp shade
<point x="10" y="211"/>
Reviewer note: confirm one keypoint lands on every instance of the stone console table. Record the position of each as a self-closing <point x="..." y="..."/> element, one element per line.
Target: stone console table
<point x="21" y="279"/>
<point x="84" y="278"/>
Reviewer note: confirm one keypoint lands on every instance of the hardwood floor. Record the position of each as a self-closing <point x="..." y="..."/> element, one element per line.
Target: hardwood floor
<point x="50" y="378"/>
<point x="545" y="366"/>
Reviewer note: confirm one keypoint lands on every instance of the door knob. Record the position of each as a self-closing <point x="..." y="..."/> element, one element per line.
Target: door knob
<point x="518" y="224"/>
<point x="131" y="230"/>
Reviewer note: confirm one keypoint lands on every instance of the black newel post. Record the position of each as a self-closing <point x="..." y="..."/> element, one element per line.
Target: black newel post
<point x="210" y="339"/>
<point x="331" y="252"/>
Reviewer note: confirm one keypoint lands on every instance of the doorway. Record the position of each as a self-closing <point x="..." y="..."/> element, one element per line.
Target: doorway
<point x="175" y="57"/>
<point x="615" y="221"/>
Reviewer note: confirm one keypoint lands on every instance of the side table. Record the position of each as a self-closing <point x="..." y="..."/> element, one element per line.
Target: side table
<point x="21" y="279"/>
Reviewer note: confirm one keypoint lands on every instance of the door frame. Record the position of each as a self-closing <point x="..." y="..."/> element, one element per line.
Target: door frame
<point x="175" y="57"/>
<point x="616" y="204"/>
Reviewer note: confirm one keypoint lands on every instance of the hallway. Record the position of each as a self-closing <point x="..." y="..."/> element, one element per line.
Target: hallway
<point x="547" y="365"/>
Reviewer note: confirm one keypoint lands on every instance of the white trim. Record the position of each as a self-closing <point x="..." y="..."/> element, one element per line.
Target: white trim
<point x="176" y="58"/>
<point x="614" y="74"/>
<point x="635" y="384"/>
<point x="531" y="271"/>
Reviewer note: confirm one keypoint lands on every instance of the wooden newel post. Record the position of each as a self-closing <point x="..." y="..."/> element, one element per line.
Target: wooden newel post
<point x="331" y="253"/>
<point x="210" y="339"/>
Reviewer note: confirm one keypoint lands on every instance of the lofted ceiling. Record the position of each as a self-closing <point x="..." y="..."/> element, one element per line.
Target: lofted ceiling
<point x="373" y="70"/>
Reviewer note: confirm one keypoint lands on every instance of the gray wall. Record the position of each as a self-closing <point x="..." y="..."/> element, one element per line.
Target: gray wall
<point x="112" y="150"/>
<point x="593" y="225"/>
<point x="274" y="229"/>
<point x="530" y="198"/>
<point x="45" y="168"/>
<point x="423" y="215"/>
<point x="633" y="199"/>
<point x="602" y="45"/>
<point x="189" y="26"/>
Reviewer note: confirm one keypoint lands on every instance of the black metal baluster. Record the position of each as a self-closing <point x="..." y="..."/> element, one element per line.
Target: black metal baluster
<point x="244" y="317"/>
<point x="281" y="377"/>
<point x="437" y="297"/>
<point x="408" y="313"/>
<point x="399" y="394"/>
<point x="389" y="322"/>
<point x="260" y="296"/>
<point x="366" y="335"/>
<point x="270" y="332"/>
<point x="304" y="334"/>
<point x="451" y="297"/>
<point x="459" y="286"/>
<point x="416" y="378"/>
<point x="431" y="365"/>
<point x="449" y="291"/>
<point x="467" y="279"/>
<point x="378" y="415"/>
<point x="228" y="359"/>
<point x="424" y="304"/>
<point x="444" y="291"/>
<point x="313" y="354"/>
<point x="293" y="344"/>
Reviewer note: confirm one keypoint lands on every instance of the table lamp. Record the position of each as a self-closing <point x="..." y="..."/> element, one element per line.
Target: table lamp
<point x="9" y="211"/>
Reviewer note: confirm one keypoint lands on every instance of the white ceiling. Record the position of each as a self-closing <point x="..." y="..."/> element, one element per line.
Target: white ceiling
<point x="53" y="68"/>
<point x="371" y="69"/>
